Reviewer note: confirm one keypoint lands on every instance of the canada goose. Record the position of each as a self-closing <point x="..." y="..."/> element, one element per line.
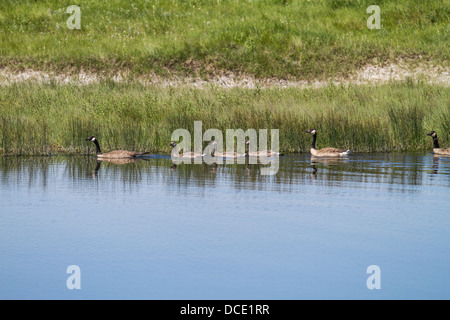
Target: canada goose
<point x="189" y="154"/>
<point x="117" y="154"/>
<point x="265" y="153"/>
<point x="224" y="154"/>
<point x="325" y="152"/>
<point x="436" y="148"/>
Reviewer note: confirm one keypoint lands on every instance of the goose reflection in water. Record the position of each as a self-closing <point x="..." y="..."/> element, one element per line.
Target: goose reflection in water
<point x="326" y="161"/>
<point x="435" y="164"/>
<point x="313" y="166"/>
<point x="115" y="162"/>
<point x="436" y="159"/>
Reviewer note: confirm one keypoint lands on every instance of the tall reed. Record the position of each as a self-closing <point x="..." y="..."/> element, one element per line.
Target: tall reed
<point x="43" y="118"/>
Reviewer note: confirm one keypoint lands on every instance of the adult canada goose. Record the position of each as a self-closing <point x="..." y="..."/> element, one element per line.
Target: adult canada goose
<point x="325" y="152"/>
<point x="265" y="153"/>
<point x="117" y="154"/>
<point x="224" y="154"/>
<point x="189" y="155"/>
<point x="436" y="148"/>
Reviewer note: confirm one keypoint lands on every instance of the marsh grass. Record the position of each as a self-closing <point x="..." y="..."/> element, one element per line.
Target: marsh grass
<point x="265" y="38"/>
<point x="48" y="119"/>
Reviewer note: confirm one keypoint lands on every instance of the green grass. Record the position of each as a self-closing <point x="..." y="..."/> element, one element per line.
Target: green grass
<point x="49" y="118"/>
<point x="313" y="39"/>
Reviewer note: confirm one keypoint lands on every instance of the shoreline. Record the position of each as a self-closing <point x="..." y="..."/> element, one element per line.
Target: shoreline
<point x="368" y="75"/>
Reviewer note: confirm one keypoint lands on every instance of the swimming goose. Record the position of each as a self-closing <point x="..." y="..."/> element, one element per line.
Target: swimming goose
<point x="436" y="148"/>
<point x="117" y="154"/>
<point x="189" y="155"/>
<point x="325" y="152"/>
<point x="224" y="154"/>
<point x="265" y="153"/>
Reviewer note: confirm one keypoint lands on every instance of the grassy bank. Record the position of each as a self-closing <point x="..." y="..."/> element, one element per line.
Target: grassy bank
<point x="48" y="118"/>
<point x="265" y="38"/>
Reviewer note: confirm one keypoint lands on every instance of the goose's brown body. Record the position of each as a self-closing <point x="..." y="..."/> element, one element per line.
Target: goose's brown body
<point x="442" y="152"/>
<point x="119" y="161"/>
<point x="268" y="153"/>
<point x="188" y="155"/>
<point x="329" y="152"/>
<point x="224" y="154"/>
<point x="263" y="153"/>
<point x="120" y="154"/>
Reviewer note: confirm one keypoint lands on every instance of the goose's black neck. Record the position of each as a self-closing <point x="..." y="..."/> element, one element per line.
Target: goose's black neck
<point x="435" y="142"/>
<point x="98" y="147"/>
<point x="313" y="145"/>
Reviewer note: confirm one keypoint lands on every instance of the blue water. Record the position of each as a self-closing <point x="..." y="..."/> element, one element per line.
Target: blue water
<point x="146" y="230"/>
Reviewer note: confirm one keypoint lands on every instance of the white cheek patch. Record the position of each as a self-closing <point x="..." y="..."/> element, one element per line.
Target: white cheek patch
<point x="313" y="132"/>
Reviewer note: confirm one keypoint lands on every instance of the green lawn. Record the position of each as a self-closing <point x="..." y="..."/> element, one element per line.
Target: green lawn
<point x="301" y="39"/>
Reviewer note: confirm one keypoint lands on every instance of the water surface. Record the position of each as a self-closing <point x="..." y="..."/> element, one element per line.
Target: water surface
<point x="148" y="230"/>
